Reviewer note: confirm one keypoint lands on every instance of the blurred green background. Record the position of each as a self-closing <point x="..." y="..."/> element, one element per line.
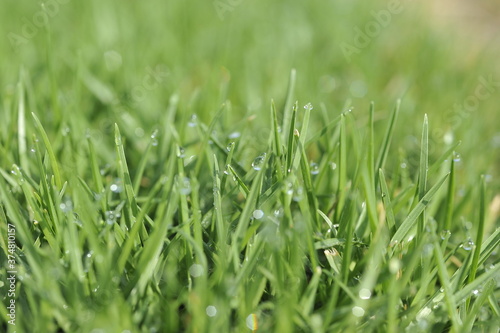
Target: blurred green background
<point x="96" y="58"/>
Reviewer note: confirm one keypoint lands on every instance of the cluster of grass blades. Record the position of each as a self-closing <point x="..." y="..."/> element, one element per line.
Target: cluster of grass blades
<point x="193" y="239"/>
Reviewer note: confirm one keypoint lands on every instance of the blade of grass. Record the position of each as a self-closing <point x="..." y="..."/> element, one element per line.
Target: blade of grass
<point x="50" y="150"/>
<point x="422" y="176"/>
<point x="287" y="108"/>
<point x="219" y="219"/>
<point x="391" y="221"/>
<point x="450" y="198"/>
<point x="131" y="211"/>
<point x="482" y="298"/>
<point x="142" y="165"/>
<point x="451" y="301"/>
<point x="277" y="136"/>
<point x="341" y="189"/>
<point x="249" y="207"/>
<point x="384" y="150"/>
<point x="21" y="129"/>
<point x="291" y="135"/>
<point x="410" y="220"/>
<point x="480" y="234"/>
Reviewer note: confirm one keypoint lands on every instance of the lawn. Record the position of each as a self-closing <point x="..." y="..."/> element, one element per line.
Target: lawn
<point x="239" y="166"/>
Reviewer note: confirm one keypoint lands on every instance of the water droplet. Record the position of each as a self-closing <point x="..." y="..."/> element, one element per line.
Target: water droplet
<point x="66" y="206"/>
<point x="77" y="221"/>
<point x="475" y="293"/>
<point x="65" y="131"/>
<point x="365" y="293"/>
<point x="258" y="163"/>
<point x="289" y="188"/>
<point x="181" y="153"/>
<point x="211" y="311"/>
<point x="32" y="150"/>
<point x="358" y="311"/>
<point x="278" y="212"/>
<point x="298" y="194"/>
<point x="230" y="146"/>
<point x="110" y="217"/>
<point x="445" y="234"/>
<point x="468" y="245"/>
<point x="196" y="270"/>
<point x="116" y="188"/>
<point x="234" y="135"/>
<point x="258" y="214"/>
<point x="184" y="186"/>
<point x="308" y="106"/>
<point x="296" y="133"/>
<point x="457" y="158"/>
<point x="252" y="322"/>
<point x="314" y="168"/>
<point x="333" y="165"/>
<point x="403" y="165"/>
<point x="154" y="139"/>
<point x="193" y="121"/>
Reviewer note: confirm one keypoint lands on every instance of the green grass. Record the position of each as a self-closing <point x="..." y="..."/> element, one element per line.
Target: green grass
<point x="162" y="170"/>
